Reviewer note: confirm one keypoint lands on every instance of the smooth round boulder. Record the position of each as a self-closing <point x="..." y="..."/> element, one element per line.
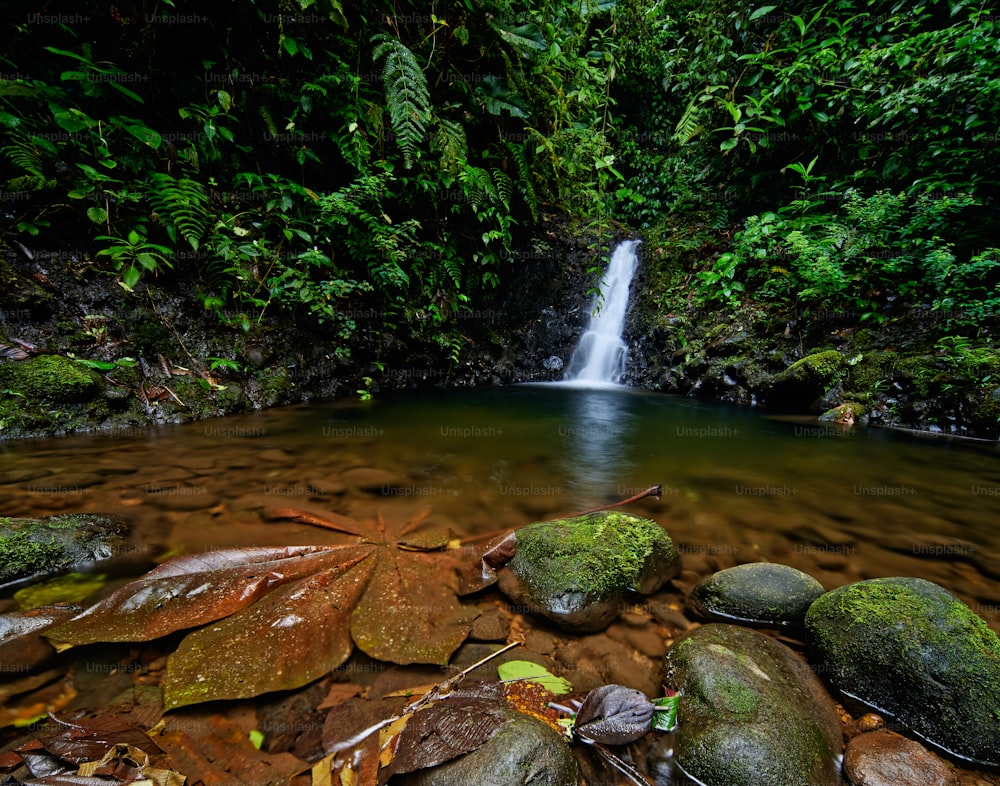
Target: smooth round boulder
<point x="751" y="712"/>
<point x="523" y="752"/>
<point x="909" y="649"/>
<point x="758" y="593"/>
<point x="578" y="571"/>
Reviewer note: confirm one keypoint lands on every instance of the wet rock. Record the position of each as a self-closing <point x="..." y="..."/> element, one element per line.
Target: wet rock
<point x="523" y="751"/>
<point x="491" y="625"/>
<point x="34" y="548"/>
<point x="806" y="381"/>
<point x="577" y="572"/>
<point x="371" y="479"/>
<point x="758" y="593"/>
<point x="50" y="378"/>
<point x="752" y="711"/>
<point x="908" y="648"/>
<point x="884" y="758"/>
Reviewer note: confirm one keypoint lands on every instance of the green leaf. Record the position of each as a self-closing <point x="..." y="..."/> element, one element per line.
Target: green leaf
<point x="665" y="714"/>
<point x="729" y="144"/>
<point x="532" y="672"/>
<point x="97" y="214"/>
<point x="764" y="9"/>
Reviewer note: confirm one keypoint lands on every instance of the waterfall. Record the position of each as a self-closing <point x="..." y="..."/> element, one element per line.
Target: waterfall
<point x="600" y="356"/>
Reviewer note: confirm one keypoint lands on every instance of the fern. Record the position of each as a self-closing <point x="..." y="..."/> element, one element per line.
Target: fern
<point x="28" y="153"/>
<point x="689" y="126"/>
<point x="268" y="118"/>
<point x="449" y="140"/>
<point x="525" y="184"/>
<point x="182" y="206"/>
<point x="407" y="95"/>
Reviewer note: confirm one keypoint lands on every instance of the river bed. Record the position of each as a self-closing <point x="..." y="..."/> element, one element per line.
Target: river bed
<point x="840" y="503"/>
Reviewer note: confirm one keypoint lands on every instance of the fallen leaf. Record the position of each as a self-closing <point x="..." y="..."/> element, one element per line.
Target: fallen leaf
<point x="285" y="616"/>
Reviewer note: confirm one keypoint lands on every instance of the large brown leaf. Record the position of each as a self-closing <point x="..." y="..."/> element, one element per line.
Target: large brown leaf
<point x="283" y="617"/>
<point x="295" y="635"/>
<point x="192" y="590"/>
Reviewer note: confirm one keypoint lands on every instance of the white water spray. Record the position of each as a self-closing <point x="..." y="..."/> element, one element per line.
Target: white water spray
<point x="600" y="356"/>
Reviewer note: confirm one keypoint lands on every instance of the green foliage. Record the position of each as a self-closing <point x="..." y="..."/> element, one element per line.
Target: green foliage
<point x="133" y="255"/>
<point x="406" y="92"/>
<point x="182" y="205"/>
<point x="878" y="254"/>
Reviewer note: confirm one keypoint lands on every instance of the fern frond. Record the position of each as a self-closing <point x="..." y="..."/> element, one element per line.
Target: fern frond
<point x="689" y="126"/>
<point x="182" y="204"/>
<point x="524" y="181"/>
<point x="28" y="154"/>
<point x="268" y="118"/>
<point x="449" y="141"/>
<point x="407" y="95"/>
<point x="504" y="187"/>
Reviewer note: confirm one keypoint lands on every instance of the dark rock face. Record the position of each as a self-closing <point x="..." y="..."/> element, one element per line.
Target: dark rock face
<point x="752" y="712"/>
<point x="524" y="752"/>
<point x="758" y="593"/>
<point x="36" y="548"/>
<point x="578" y="571"/>
<point x="910" y="649"/>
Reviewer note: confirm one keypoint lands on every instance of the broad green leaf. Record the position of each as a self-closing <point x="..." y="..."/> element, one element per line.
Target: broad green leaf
<point x="97" y="214"/>
<point x="729" y="144"/>
<point x="526" y="670"/>
<point x="764" y="9"/>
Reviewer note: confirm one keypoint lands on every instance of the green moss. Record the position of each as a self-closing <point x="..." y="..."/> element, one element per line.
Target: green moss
<point x="827" y="366"/>
<point x="736" y="697"/>
<point x="602" y="552"/>
<point x="21" y="556"/>
<point x="49" y="378"/>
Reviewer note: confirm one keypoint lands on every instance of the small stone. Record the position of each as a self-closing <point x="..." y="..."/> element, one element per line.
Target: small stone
<point x="884" y="758"/>
<point x="371" y="479"/>
<point x="276" y="456"/>
<point x="758" y="593"/>
<point x="491" y="625"/>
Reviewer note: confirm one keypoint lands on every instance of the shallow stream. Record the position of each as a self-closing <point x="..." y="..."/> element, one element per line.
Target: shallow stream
<point x="840" y="503"/>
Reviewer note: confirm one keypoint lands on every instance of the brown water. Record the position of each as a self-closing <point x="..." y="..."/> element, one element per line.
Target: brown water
<point x="841" y="504"/>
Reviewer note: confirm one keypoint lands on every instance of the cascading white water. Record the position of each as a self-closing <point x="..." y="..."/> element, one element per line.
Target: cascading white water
<point x="600" y="356"/>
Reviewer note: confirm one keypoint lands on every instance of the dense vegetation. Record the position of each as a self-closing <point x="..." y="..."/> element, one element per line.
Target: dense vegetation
<point x="331" y="159"/>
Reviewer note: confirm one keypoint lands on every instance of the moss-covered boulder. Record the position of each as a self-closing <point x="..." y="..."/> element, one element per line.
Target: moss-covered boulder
<point x="751" y="713"/>
<point x="34" y="548"/>
<point x="577" y="572"/>
<point x="758" y="593"/>
<point x="49" y="378"/>
<point x="911" y="650"/>
<point x="524" y="751"/>
<point x="804" y="383"/>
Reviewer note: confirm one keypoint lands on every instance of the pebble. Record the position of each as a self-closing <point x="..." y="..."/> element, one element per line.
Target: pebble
<point x="371" y="479"/>
<point x="884" y="758"/>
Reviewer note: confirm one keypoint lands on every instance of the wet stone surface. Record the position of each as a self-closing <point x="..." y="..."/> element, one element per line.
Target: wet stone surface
<point x="759" y="593"/>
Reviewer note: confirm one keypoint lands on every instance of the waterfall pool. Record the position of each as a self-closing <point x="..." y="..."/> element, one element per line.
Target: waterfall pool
<point x="738" y="486"/>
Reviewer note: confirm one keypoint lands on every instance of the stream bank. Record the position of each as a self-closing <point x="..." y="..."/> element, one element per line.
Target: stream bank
<point x="79" y="353"/>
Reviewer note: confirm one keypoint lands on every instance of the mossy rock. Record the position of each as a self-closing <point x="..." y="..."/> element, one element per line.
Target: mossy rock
<point x="50" y="378"/>
<point x="31" y="549"/>
<point x="752" y="712"/>
<point x="908" y="648"/>
<point x="578" y="571"/>
<point x="758" y="593"/>
<point x="807" y="380"/>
